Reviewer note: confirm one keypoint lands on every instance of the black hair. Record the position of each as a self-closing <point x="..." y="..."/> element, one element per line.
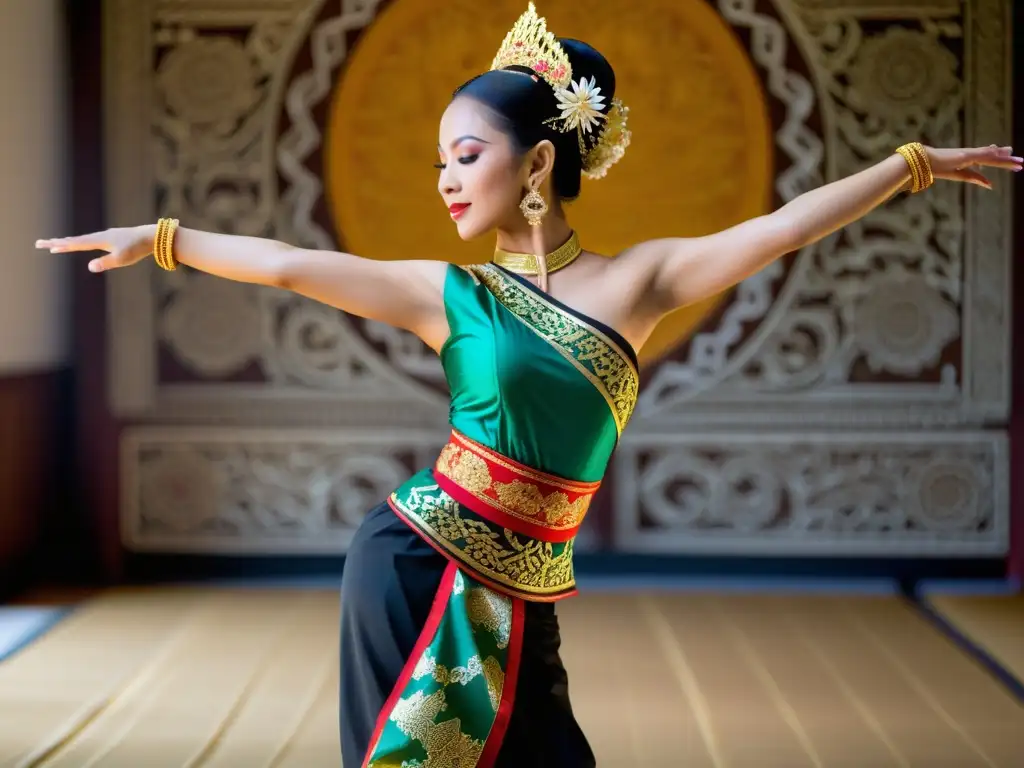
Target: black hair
<point x="521" y="105"/>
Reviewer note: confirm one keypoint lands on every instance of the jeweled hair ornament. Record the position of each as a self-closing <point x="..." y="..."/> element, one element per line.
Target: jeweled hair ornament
<point x="530" y="44"/>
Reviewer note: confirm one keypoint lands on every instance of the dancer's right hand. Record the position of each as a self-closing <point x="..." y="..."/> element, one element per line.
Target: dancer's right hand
<point x="124" y="246"/>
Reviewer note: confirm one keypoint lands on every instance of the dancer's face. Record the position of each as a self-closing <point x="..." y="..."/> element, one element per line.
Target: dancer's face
<point x="482" y="178"/>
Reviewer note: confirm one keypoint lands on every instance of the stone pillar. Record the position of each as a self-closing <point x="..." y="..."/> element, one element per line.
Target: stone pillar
<point x="35" y="307"/>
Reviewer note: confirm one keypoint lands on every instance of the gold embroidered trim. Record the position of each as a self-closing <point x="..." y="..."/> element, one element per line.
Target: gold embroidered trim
<point x="493" y="457"/>
<point x="592" y="352"/>
<point x="524" y="567"/>
<point x="442" y="710"/>
<point x="521" y="493"/>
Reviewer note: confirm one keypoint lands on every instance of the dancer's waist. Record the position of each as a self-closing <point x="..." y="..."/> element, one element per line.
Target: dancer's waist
<point x="510" y="494"/>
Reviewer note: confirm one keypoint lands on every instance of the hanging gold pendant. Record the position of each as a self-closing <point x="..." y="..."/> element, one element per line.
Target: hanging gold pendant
<point x="533" y="207"/>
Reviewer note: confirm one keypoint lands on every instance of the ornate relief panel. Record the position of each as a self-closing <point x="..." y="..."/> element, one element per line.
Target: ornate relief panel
<point x="301" y="120"/>
<point x="814" y="493"/>
<point x="260" y="491"/>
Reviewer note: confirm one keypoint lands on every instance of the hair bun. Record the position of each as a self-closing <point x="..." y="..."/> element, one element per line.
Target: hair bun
<point x="606" y="144"/>
<point x="588" y="63"/>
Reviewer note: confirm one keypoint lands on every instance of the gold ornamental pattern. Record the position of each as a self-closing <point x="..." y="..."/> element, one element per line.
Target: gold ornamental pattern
<point x="529" y="497"/>
<point x="517" y="566"/>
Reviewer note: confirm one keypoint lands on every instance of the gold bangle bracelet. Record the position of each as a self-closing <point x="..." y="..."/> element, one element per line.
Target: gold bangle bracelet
<point x="158" y="243"/>
<point x="157" y="249"/>
<point x="163" y="244"/>
<point x="169" y="262"/>
<point x="926" y="163"/>
<point x="924" y="166"/>
<point x="916" y="157"/>
<point x="915" y="174"/>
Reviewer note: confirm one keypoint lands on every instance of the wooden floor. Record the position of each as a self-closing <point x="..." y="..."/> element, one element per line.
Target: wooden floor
<point x="995" y="624"/>
<point x="247" y="678"/>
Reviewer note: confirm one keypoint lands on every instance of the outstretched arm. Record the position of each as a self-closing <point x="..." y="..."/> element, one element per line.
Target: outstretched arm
<point x="406" y="294"/>
<point x="681" y="271"/>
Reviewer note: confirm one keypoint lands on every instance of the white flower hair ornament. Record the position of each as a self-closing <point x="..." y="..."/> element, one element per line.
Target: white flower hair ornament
<point x="583" y="110"/>
<point x="530" y="44"/>
<point x="582" y="106"/>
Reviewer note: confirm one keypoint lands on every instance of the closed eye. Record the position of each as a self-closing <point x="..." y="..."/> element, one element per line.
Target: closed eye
<point x="465" y="160"/>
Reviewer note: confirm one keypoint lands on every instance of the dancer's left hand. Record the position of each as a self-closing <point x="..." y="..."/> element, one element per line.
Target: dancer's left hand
<point x="963" y="164"/>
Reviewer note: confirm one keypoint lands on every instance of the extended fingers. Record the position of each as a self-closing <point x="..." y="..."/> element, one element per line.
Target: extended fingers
<point x="970" y="176"/>
<point x="111" y="261"/>
<point x="94" y="242"/>
<point x="997" y="157"/>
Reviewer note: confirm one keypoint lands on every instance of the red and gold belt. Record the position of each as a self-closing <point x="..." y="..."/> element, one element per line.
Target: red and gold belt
<point x="510" y="494"/>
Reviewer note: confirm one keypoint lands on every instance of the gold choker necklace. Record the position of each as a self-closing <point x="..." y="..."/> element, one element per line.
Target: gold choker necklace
<point x="526" y="263"/>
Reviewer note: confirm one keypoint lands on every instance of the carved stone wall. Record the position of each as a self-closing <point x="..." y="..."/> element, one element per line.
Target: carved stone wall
<point x="850" y="399"/>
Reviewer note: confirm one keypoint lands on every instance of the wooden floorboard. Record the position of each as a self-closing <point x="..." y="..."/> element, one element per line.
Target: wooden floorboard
<point x="993" y="623"/>
<point x="245" y="677"/>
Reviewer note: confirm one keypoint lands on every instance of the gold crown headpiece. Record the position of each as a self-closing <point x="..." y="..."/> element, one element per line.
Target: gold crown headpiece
<point x="529" y="44"/>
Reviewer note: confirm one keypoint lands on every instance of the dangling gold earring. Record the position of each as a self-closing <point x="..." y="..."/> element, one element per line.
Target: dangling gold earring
<point x="533" y="207"/>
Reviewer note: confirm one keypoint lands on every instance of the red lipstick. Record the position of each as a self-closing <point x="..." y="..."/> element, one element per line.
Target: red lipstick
<point x="457" y="209"/>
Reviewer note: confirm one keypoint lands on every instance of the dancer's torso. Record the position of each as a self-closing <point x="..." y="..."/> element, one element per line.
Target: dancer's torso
<point x="539" y="396"/>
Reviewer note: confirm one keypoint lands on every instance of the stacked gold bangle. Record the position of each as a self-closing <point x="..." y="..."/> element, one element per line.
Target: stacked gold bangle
<point x="163" y="244"/>
<point x="920" y="166"/>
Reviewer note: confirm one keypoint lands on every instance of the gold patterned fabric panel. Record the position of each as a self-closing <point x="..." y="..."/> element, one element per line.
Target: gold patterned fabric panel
<point x="510" y="494"/>
<point x="592" y="352"/>
<point x="451" y="702"/>
<point x="516" y="565"/>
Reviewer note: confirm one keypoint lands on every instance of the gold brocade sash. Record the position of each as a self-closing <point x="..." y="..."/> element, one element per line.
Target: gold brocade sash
<point x="509" y="525"/>
<point x="510" y="494"/>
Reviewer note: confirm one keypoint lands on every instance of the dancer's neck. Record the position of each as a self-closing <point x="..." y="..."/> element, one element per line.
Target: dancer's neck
<point x="554" y="231"/>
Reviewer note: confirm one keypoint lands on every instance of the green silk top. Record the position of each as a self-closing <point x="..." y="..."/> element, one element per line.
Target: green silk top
<point x="538" y="383"/>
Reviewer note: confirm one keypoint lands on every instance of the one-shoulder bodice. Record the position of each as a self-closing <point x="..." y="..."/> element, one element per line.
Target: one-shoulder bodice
<point x="539" y="396"/>
<point x="532" y="379"/>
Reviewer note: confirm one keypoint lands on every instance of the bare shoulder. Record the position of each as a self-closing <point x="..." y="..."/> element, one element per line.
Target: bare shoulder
<point x="638" y="265"/>
<point x="430" y="271"/>
<point x="426" y="280"/>
<point x="650" y="253"/>
<point x="421" y="279"/>
<point x="637" y="274"/>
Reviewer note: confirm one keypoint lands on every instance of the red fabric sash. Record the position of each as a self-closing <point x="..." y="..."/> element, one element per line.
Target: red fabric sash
<point x="512" y="495"/>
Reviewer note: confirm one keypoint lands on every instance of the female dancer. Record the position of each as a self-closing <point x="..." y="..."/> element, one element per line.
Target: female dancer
<point x="449" y="640"/>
